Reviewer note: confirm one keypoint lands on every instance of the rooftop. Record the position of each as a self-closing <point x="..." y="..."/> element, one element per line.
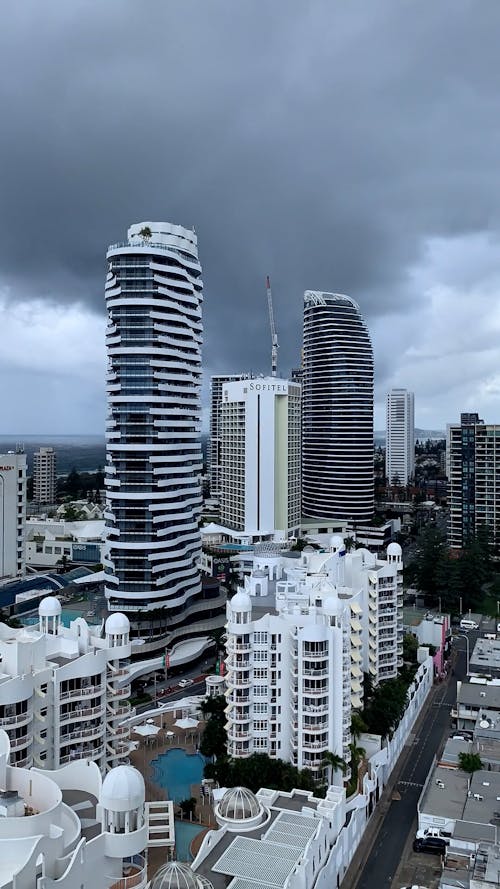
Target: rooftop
<point x="475" y="695"/>
<point x="486" y="655"/>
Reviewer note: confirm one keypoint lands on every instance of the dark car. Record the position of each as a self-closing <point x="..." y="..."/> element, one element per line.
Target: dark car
<point x="434" y="845"/>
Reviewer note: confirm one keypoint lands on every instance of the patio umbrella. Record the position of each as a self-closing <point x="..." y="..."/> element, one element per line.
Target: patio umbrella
<point x="170" y="734"/>
<point x="146" y="730"/>
<point x="187" y="722"/>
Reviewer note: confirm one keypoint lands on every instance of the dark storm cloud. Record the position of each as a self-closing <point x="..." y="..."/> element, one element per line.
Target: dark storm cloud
<point x="323" y="143"/>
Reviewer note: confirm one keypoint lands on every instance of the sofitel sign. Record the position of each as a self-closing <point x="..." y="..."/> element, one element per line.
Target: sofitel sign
<point x="268" y="387"/>
<point x="5" y="468"/>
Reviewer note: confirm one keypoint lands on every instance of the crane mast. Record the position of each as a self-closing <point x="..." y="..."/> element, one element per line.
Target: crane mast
<point x="274" y="335"/>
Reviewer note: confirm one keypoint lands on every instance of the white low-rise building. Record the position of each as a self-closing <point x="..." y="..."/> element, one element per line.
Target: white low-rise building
<point x="298" y="638"/>
<point x="70" y="829"/>
<point x="50" y="541"/>
<point x="62" y="691"/>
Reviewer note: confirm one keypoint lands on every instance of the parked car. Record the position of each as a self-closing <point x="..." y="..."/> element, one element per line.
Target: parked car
<point x="434" y="845"/>
<point x="467" y="624"/>
<point x="183" y="683"/>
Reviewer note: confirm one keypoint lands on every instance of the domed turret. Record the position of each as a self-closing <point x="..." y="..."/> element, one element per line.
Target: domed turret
<point x="117" y="629"/>
<point x="239" y="810"/>
<point x="176" y="875"/>
<point x="239" y="610"/>
<point x="337" y="543"/>
<point x="49" y="614"/>
<point x="241" y="602"/>
<point x="122" y="799"/>
<point x="395" y="554"/>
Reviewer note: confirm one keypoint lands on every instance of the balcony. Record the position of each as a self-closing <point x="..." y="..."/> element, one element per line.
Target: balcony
<point x="17" y="719"/>
<point x="84" y="734"/>
<point x="80" y="713"/>
<point x="119" y="693"/>
<point x="83" y="692"/>
<point x="23" y="741"/>
<point x="239" y="647"/>
<point x="317" y="673"/>
<point x="82" y="753"/>
<point x="315" y="745"/>
<point x="134" y="875"/>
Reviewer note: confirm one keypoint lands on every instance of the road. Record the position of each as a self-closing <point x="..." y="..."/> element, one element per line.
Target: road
<point x="387" y="851"/>
<point x="197" y="688"/>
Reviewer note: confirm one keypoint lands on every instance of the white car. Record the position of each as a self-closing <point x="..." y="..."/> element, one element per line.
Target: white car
<point x="467" y="624"/>
<point x="183" y="683"/>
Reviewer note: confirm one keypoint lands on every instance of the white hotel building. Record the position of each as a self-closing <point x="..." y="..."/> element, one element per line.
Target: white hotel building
<point x="299" y="637"/>
<point x="260" y="458"/>
<point x="62" y="691"/>
<point x="70" y="829"/>
<point x="12" y="515"/>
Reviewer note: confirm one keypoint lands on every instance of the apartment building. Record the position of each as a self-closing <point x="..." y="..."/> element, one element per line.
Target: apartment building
<point x="217" y="383"/>
<point x="70" y="828"/>
<point x="62" y="691"/>
<point x="12" y="514"/>
<point x="400" y="436"/>
<point x="44" y="475"/>
<point x="473" y="469"/>
<point x="299" y="635"/>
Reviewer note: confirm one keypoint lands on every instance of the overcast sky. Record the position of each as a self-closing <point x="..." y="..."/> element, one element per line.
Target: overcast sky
<point x="340" y="145"/>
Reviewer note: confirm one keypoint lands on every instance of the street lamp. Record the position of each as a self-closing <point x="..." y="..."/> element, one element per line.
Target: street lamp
<point x="463" y="636"/>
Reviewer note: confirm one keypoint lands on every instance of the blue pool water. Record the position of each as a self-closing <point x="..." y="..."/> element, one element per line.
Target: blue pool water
<point x="176" y="770"/>
<point x="185" y="832"/>
<point x="67" y="616"/>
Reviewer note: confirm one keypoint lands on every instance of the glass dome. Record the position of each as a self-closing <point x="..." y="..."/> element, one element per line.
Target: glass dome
<point x="239" y="803"/>
<point x="176" y="875"/>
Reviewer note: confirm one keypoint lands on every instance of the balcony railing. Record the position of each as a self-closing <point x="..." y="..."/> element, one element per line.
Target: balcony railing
<point x="17" y="719"/>
<point x="134" y="875"/>
<point x="82" y="692"/>
<point x="78" y="714"/>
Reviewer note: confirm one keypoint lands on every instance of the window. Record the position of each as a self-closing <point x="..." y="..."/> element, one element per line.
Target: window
<point x="48" y="550"/>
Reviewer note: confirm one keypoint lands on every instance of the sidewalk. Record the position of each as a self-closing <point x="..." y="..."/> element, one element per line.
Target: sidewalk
<point x="374" y="824"/>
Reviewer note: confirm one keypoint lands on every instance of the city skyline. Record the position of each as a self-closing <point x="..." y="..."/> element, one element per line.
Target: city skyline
<point x="394" y="200"/>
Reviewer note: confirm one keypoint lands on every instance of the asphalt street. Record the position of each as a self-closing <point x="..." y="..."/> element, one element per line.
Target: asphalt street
<point x="387" y="850"/>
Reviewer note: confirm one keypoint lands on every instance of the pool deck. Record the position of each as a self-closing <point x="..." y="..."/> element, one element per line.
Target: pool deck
<point x="148" y="750"/>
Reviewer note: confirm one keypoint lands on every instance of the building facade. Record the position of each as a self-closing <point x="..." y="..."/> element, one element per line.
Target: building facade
<point x="44" y="475"/>
<point x="70" y="828"/>
<point x="400" y="436"/>
<point x="217" y="383"/>
<point x="473" y="469"/>
<point x="50" y="542"/>
<point x="63" y="692"/>
<point x="12" y="515"/>
<point x="154" y="462"/>
<point x="337" y="410"/>
<point x="260" y="458"/>
<point x="299" y="636"/>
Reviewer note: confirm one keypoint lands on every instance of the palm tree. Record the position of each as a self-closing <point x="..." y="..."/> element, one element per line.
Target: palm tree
<point x="358" y="725"/>
<point x="334" y="763"/>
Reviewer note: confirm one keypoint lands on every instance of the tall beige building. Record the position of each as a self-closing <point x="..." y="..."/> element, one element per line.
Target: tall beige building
<point x="44" y="475"/>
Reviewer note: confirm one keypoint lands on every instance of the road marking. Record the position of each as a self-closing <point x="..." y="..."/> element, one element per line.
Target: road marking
<point x="410" y="784"/>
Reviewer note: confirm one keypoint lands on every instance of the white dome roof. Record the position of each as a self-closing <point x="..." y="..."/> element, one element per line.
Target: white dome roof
<point x="123" y="789"/>
<point x="117" y="624"/>
<point x="238" y="804"/>
<point x="394" y="549"/>
<point x="49" y="607"/>
<point x="176" y="875"/>
<point x="337" y="542"/>
<point x="241" y="602"/>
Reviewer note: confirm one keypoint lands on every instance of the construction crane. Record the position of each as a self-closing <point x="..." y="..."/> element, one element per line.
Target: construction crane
<point x="274" y="335"/>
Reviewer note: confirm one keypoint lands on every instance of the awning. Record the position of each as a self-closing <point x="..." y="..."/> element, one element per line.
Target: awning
<point x="355" y="686"/>
<point x="356" y="656"/>
<point x="355" y="671"/>
<point x="355" y="608"/>
<point x="355" y="625"/>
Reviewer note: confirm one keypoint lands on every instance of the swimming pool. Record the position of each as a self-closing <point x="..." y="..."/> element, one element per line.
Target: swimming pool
<point x="185" y="832"/>
<point x="66" y="617"/>
<point x="176" y="770"/>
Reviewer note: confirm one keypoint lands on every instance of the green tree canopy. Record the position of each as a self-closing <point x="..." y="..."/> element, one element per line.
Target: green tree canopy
<point x="469" y="762"/>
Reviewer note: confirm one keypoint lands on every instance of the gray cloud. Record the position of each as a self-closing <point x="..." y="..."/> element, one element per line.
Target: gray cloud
<point x="324" y="143"/>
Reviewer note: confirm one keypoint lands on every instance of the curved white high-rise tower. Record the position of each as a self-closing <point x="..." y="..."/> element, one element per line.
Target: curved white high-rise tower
<point x="153" y="494"/>
<point x="337" y="410"/>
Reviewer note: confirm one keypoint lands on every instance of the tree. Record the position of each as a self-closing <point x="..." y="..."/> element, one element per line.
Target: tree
<point x="387" y="706"/>
<point x="469" y="762"/>
<point x="358" y="725"/>
<point x="410" y="647"/>
<point x="73" y="483"/>
<point x="218" y="637"/>
<point x="334" y="763"/>
<point x="214" y="738"/>
<point x="188" y="807"/>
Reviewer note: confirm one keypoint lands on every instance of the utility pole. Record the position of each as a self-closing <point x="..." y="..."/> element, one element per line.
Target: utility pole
<point x="274" y="335"/>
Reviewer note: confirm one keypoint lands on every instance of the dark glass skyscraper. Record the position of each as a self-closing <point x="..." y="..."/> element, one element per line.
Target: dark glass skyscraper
<point x="337" y="410"/>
